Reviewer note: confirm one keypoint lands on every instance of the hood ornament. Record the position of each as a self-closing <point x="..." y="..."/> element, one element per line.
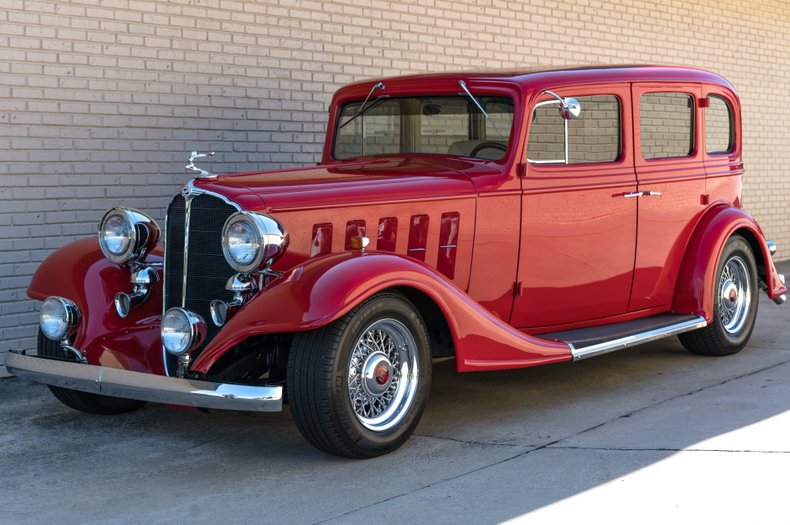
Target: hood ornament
<point x="194" y="170"/>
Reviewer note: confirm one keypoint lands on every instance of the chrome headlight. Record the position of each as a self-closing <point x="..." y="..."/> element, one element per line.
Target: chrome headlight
<point x="251" y="241"/>
<point x="58" y="317"/>
<point x="181" y="330"/>
<point x="127" y="235"/>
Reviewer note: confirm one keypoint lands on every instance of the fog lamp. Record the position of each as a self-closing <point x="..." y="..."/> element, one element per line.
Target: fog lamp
<point x="182" y="330"/>
<point x="58" y="317"/>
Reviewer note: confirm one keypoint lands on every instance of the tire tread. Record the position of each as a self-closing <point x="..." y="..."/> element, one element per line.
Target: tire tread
<point x="309" y="388"/>
<point x="709" y="340"/>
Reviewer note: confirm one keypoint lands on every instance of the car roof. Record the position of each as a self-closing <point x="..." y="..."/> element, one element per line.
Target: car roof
<point x="540" y="77"/>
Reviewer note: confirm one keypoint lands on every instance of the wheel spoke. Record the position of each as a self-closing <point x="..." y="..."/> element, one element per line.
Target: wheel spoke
<point x="734" y="295"/>
<point x="380" y="395"/>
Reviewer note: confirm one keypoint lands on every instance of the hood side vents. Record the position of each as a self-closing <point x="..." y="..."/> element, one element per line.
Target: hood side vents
<point x="322" y="240"/>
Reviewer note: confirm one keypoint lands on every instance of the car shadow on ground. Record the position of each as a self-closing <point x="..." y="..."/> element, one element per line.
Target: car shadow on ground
<point x="475" y="426"/>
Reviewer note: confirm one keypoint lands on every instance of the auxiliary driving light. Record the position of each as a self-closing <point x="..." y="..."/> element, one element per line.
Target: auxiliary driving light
<point x="182" y="330"/>
<point x="58" y="317"/>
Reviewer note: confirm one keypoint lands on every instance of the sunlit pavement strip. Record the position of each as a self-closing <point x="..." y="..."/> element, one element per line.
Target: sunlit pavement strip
<point x="720" y="454"/>
<point x="649" y="435"/>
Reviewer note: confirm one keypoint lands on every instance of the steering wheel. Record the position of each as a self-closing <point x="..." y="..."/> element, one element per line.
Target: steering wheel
<point x="487" y="145"/>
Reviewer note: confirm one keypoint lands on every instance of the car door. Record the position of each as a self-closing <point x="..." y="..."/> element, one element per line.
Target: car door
<point x="576" y="257"/>
<point x="671" y="176"/>
<point x="723" y="164"/>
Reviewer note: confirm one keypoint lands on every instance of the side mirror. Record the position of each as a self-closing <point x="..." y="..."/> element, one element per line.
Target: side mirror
<point x="569" y="107"/>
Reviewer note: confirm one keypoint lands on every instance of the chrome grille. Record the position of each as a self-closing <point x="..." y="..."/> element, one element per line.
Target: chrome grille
<point x="194" y="226"/>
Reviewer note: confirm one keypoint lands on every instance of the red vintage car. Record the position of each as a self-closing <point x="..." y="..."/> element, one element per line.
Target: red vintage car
<point x="503" y="219"/>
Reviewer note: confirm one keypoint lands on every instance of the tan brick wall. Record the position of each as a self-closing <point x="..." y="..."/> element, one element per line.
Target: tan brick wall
<point x="100" y="99"/>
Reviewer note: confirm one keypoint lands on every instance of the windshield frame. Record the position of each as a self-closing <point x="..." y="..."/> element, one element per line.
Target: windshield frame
<point x="502" y="90"/>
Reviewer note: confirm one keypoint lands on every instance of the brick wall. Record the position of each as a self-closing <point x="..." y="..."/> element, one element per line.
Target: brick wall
<point x="100" y="99"/>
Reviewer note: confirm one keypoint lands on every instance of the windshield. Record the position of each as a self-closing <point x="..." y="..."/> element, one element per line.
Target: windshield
<point x="444" y="125"/>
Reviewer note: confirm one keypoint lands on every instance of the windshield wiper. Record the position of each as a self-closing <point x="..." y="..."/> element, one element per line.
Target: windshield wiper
<point x="363" y="108"/>
<point x="479" y="106"/>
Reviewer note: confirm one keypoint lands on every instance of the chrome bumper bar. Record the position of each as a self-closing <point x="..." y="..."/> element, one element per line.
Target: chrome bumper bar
<point x="145" y="387"/>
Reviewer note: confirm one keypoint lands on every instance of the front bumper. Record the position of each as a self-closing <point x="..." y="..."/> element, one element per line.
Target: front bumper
<point x="145" y="387"/>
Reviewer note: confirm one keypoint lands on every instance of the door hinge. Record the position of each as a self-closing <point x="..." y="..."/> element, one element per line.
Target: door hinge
<point x="521" y="170"/>
<point x="517" y="289"/>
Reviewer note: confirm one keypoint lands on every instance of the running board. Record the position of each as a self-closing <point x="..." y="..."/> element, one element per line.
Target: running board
<point x="590" y="342"/>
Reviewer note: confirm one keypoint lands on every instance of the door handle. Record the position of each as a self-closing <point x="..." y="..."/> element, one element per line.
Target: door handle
<point x="645" y="193"/>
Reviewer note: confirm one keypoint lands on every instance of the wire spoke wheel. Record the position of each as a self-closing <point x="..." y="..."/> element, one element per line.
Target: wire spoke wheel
<point x="357" y="387"/>
<point x="383" y="374"/>
<point x="734" y="294"/>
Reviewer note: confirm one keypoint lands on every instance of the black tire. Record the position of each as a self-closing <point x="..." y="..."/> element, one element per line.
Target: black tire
<point x="319" y="367"/>
<point x="83" y="401"/>
<point x="723" y="337"/>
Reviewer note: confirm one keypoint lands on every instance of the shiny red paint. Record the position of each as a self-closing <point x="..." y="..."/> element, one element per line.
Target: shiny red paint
<point x="325" y="288"/>
<point x="355" y="230"/>
<point x="322" y="240"/>
<point x="80" y="272"/>
<point x="698" y="269"/>
<point x="387" y="234"/>
<point x="418" y="236"/>
<point x="578" y="232"/>
<point x="666" y="221"/>
<point x="523" y="248"/>
<point x="449" y="228"/>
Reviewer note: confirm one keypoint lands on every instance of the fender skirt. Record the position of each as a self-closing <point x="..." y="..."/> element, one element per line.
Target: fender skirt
<point x="326" y="288"/>
<point x="696" y="281"/>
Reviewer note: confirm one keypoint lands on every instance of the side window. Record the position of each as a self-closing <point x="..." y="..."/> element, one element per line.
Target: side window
<point x="719" y="133"/>
<point x="593" y="137"/>
<point x="666" y="125"/>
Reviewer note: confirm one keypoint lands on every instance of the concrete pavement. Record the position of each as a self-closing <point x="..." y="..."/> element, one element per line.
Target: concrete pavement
<point x="647" y="435"/>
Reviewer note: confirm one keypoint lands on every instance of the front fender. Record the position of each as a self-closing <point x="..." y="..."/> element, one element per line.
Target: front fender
<point x="326" y="288"/>
<point x="697" y="278"/>
<point x="80" y="272"/>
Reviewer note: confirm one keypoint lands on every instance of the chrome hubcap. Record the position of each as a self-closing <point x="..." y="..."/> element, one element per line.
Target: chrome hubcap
<point x="734" y="295"/>
<point x="383" y="374"/>
<point x="376" y="374"/>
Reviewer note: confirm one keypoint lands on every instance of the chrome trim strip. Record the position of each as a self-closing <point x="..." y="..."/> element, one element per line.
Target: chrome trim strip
<point x="187" y="211"/>
<point x="164" y="278"/>
<point x="190" y="186"/>
<point x="563" y="160"/>
<point x="637" y="339"/>
<point x="145" y="387"/>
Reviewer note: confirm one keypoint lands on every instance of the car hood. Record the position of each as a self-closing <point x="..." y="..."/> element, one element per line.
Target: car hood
<point x="379" y="180"/>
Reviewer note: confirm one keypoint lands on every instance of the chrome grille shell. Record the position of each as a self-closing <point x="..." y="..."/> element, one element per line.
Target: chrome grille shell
<point x="195" y="270"/>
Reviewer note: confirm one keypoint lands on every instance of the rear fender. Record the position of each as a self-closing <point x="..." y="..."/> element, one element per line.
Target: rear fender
<point x="696" y="281"/>
<point x="80" y="272"/>
<point x="326" y="288"/>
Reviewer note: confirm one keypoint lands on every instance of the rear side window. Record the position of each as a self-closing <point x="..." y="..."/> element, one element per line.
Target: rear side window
<point x="719" y="134"/>
<point x="593" y="137"/>
<point x="666" y="125"/>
